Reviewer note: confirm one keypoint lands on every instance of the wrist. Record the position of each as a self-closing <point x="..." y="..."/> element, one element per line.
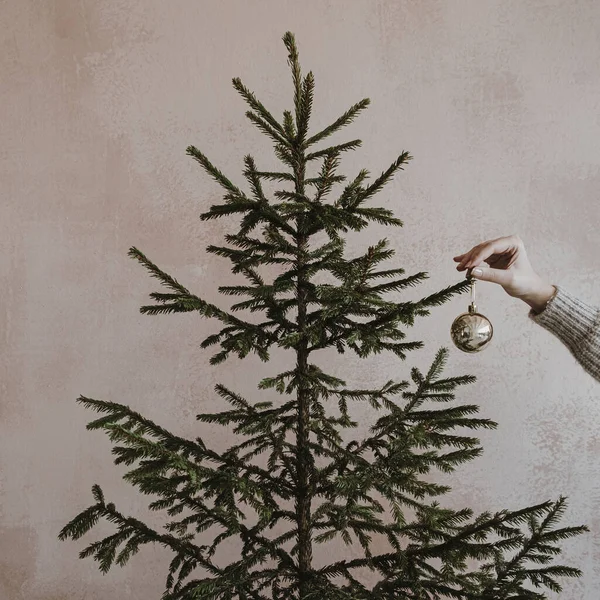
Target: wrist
<point x="539" y="297"/>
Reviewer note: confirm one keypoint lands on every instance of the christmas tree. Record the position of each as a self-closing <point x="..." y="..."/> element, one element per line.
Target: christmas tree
<point x="298" y="475"/>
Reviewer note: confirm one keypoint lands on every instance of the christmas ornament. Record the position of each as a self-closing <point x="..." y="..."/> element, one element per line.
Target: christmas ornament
<point x="471" y="331"/>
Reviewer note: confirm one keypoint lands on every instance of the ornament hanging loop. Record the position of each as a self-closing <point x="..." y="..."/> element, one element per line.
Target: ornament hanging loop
<point x="472" y="306"/>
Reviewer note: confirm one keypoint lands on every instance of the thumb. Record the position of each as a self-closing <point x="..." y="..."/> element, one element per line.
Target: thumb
<point x="499" y="276"/>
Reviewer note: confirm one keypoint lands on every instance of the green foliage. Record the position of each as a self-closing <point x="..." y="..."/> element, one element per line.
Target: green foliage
<point x="292" y="481"/>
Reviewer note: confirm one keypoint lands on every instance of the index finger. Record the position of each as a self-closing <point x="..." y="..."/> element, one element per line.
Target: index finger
<point x="482" y="251"/>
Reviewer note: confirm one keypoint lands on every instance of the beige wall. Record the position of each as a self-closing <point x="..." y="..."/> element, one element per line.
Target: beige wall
<point x="498" y="100"/>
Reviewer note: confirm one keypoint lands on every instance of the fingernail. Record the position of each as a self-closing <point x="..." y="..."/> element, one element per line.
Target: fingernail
<point x="477" y="272"/>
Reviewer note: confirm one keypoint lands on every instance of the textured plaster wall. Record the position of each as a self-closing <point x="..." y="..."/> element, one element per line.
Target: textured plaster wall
<point x="499" y="102"/>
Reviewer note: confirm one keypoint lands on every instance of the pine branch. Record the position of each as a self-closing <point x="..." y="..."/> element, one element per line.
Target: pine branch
<point x="130" y="529"/>
<point x="352" y="189"/>
<point x="326" y="176"/>
<point x="288" y="124"/>
<point x="511" y="574"/>
<point x="275" y="176"/>
<point x="338" y="149"/>
<point x="257" y="106"/>
<point x="304" y="110"/>
<point x="155" y="272"/>
<point x="443" y="295"/>
<point x="240" y="337"/>
<point x="212" y="170"/>
<point x="290" y="43"/>
<point x="385" y="177"/>
<point x="267" y="129"/>
<point x="253" y="179"/>
<point x="344" y="120"/>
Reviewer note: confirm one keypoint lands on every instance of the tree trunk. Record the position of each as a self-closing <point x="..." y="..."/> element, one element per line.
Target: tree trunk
<point x="303" y="453"/>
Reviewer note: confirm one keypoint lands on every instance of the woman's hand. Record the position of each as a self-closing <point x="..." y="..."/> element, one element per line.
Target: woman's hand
<point x="508" y="267"/>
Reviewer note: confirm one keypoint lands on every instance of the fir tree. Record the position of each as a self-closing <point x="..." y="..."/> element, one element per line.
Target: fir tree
<point x="309" y="485"/>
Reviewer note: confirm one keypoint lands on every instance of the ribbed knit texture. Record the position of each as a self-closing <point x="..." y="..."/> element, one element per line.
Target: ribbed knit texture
<point x="577" y="325"/>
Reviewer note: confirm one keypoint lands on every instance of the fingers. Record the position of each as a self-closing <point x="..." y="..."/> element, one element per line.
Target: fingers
<point x="499" y="276"/>
<point x="481" y="252"/>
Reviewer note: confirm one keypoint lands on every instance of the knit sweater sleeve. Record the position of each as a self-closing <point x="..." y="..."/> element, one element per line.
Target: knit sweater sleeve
<point x="577" y="325"/>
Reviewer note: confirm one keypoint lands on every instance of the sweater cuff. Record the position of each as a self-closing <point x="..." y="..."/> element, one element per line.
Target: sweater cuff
<point x="567" y="317"/>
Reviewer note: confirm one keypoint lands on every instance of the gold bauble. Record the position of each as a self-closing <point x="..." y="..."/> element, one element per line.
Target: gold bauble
<point x="471" y="331"/>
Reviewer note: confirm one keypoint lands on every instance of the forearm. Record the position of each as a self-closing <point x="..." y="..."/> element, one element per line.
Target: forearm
<point x="576" y="324"/>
